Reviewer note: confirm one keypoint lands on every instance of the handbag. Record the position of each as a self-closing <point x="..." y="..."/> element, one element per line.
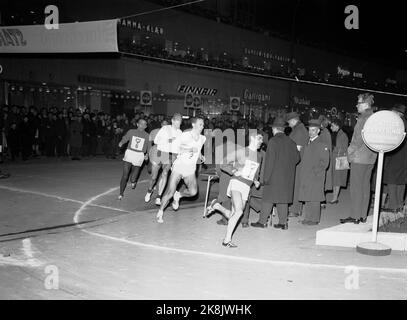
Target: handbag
<point x="341" y="163"/>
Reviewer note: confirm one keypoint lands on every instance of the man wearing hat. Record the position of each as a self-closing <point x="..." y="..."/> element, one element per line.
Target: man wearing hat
<point x="279" y="176"/>
<point x="326" y="138"/>
<point x="362" y="161"/>
<point x="395" y="169"/>
<point x="299" y="135"/>
<point x="313" y="166"/>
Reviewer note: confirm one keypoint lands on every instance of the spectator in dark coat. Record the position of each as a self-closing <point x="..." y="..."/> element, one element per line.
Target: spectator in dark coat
<point x="93" y="135"/>
<point x="325" y="137"/>
<point x="314" y="163"/>
<point x="25" y="138"/>
<point x="299" y="135"/>
<point x="75" y="137"/>
<point x="281" y="160"/>
<point x="395" y="169"/>
<point x="61" y="135"/>
<point x="50" y="135"/>
<point x="13" y="141"/>
<point x="86" y="135"/>
<point x="35" y="123"/>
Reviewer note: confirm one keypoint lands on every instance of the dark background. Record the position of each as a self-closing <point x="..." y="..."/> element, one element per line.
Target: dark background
<point x="319" y="23"/>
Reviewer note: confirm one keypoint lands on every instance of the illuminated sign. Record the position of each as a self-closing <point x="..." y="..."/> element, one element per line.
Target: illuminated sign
<point x="196" y="90"/>
<point x="267" y="55"/>
<point x="256" y="96"/>
<point x="137" y="25"/>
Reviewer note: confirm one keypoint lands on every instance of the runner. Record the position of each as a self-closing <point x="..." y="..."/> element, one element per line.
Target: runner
<point x="135" y="155"/>
<point x="184" y="167"/>
<point x="245" y="170"/>
<point x="164" y="156"/>
<point x="153" y="151"/>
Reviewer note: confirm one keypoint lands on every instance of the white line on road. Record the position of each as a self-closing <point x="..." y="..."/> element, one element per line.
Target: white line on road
<point x="217" y="255"/>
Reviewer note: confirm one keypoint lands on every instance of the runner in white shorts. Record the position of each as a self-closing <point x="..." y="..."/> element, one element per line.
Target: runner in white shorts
<point x="190" y="144"/>
<point x="246" y="170"/>
<point x="164" y="156"/>
<point x="136" y="153"/>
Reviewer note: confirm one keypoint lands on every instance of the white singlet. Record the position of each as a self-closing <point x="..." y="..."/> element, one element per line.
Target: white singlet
<point x="185" y="164"/>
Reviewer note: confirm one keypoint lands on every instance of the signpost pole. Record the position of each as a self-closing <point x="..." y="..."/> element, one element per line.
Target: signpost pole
<point x="377" y="196"/>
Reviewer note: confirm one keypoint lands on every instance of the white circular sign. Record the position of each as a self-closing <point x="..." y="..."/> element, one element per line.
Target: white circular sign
<point x="334" y="111"/>
<point x="383" y="131"/>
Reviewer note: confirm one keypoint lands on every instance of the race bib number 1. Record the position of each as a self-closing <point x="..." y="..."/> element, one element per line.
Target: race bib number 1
<point x="137" y="143"/>
<point x="249" y="169"/>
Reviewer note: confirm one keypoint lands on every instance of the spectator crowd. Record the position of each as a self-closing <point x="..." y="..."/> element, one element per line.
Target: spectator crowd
<point x="52" y="132"/>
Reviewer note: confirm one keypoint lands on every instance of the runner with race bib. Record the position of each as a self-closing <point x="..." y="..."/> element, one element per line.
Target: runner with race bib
<point x="136" y="153"/>
<point x="189" y="151"/>
<point x="245" y="169"/>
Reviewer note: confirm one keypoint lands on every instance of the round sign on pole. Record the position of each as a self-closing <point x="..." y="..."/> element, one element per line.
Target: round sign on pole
<point x="383" y="132"/>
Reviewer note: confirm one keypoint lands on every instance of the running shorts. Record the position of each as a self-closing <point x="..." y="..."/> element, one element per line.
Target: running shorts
<point x="239" y="186"/>
<point x="158" y="157"/>
<point x="184" y="169"/>
<point x="134" y="157"/>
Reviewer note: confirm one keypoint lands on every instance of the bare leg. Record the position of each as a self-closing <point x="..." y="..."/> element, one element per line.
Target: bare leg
<point x="127" y="167"/>
<point x="237" y="211"/>
<point x="163" y="179"/>
<point x="155" y="169"/>
<point x="227" y="213"/>
<point x="175" y="178"/>
<point x="192" y="187"/>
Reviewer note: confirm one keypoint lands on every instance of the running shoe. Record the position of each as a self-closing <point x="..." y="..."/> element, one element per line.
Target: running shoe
<point x="120" y="197"/>
<point x="229" y="244"/>
<point x="210" y="209"/>
<point x="175" y="201"/>
<point x="133" y="185"/>
<point x="159" y="216"/>
<point x="147" y="197"/>
<point x="158" y="201"/>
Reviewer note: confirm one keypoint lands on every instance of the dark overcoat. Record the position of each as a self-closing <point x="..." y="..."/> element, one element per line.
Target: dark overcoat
<point x="300" y="136"/>
<point x="395" y="164"/>
<point x="75" y="134"/>
<point x="279" y="169"/>
<point x="313" y="166"/>
<point x="326" y="138"/>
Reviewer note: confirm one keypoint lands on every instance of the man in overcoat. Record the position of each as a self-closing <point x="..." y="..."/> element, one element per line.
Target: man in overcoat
<point x="279" y="176"/>
<point x="395" y="169"/>
<point x="299" y="135"/>
<point x="325" y="137"/>
<point x="313" y="166"/>
<point x="75" y="137"/>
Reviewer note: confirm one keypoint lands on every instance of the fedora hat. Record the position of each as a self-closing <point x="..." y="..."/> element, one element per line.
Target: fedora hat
<point x="292" y="115"/>
<point x="314" y="123"/>
<point x="278" y="123"/>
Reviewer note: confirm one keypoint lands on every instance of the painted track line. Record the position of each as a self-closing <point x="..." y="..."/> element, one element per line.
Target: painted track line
<point x="222" y="256"/>
<point x="89" y="203"/>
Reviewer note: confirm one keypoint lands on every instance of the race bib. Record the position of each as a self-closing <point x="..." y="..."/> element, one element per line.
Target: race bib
<point x="137" y="143"/>
<point x="249" y="169"/>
